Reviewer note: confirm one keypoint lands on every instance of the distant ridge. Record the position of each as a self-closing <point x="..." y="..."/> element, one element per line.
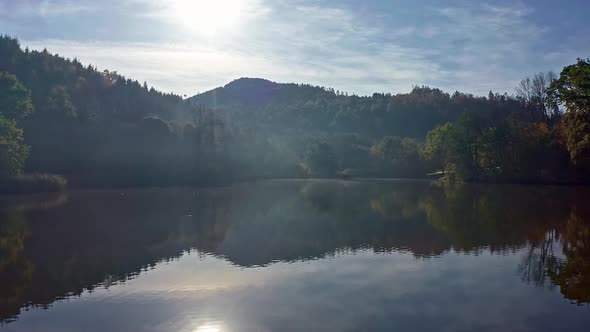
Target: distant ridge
<point x="243" y="91"/>
<point x="257" y="103"/>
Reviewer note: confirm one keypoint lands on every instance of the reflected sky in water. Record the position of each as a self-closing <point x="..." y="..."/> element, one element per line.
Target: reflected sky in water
<point x="298" y="255"/>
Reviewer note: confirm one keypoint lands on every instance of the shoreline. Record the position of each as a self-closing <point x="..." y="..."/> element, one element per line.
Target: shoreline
<point x="48" y="183"/>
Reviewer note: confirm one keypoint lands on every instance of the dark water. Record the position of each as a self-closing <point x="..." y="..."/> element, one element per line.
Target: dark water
<point x="298" y="256"/>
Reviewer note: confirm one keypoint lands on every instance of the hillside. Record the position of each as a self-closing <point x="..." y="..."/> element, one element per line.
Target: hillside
<point x="498" y="137"/>
<point x="93" y="126"/>
<point x="254" y="92"/>
<point x="259" y="103"/>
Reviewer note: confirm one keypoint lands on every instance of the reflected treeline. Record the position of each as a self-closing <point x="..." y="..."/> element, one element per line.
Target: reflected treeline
<point x="498" y="217"/>
<point x="49" y="252"/>
<point x="55" y="247"/>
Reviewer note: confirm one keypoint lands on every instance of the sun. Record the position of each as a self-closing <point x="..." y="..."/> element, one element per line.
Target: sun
<point x="208" y="16"/>
<point x="210" y="327"/>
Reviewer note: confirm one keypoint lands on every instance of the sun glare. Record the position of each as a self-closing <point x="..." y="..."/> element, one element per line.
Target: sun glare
<point x="208" y="16"/>
<point x="212" y="327"/>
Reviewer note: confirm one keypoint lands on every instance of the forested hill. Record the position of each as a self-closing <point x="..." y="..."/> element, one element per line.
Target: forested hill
<point x="521" y="137"/>
<point x="260" y="103"/>
<point x="92" y="126"/>
<point x="65" y="88"/>
<point x="250" y="92"/>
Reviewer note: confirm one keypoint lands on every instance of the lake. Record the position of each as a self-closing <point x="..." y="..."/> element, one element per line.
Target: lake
<point x="298" y="255"/>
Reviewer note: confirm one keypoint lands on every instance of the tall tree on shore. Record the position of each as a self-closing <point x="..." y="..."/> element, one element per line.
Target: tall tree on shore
<point x="535" y="94"/>
<point x="572" y="90"/>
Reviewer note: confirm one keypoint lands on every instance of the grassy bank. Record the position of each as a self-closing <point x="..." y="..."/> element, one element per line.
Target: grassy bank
<point x="32" y="183"/>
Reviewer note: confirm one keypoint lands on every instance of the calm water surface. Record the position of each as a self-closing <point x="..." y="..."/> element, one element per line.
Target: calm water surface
<point x="298" y="256"/>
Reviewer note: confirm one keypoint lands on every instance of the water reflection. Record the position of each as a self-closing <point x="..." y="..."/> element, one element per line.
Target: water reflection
<point x="572" y="272"/>
<point x="53" y="248"/>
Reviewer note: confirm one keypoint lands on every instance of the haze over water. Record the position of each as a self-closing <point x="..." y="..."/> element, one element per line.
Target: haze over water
<point x="297" y="255"/>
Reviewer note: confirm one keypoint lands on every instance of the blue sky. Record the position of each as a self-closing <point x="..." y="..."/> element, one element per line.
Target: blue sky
<point x="189" y="46"/>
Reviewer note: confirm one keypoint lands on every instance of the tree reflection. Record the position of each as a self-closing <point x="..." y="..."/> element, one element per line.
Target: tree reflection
<point x="52" y="250"/>
<point x="15" y="268"/>
<point x="501" y="218"/>
<point x="561" y="258"/>
<point x="572" y="273"/>
<point x="549" y="222"/>
<point x="539" y="256"/>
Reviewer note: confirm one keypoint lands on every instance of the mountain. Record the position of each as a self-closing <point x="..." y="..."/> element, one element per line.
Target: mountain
<point x="279" y="107"/>
<point x="260" y="103"/>
<point x="243" y="91"/>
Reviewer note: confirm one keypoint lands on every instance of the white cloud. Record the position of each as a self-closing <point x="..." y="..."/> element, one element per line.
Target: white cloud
<point x="49" y="8"/>
<point x="310" y="44"/>
<point x="45" y="8"/>
<point x="179" y="69"/>
<point x="487" y="47"/>
<point x="473" y="48"/>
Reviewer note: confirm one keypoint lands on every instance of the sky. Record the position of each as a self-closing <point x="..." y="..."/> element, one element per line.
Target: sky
<point x="361" y="47"/>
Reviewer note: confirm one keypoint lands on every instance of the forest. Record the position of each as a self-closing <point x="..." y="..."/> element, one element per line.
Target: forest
<point x="61" y="121"/>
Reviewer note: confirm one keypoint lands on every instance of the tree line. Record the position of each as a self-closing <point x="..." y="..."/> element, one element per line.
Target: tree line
<point x="554" y="147"/>
<point x="499" y="137"/>
<point x="96" y="127"/>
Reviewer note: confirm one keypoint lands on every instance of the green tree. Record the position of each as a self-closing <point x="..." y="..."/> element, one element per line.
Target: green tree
<point x="576" y="132"/>
<point x="15" y="105"/>
<point x="59" y="105"/>
<point x="389" y="149"/>
<point x="459" y="145"/>
<point x="572" y="90"/>
<point x="13" y="151"/>
<point x="437" y="145"/>
<point x="398" y="156"/>
<point x="319" y="160"/>
<point x="15" y="98"/>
